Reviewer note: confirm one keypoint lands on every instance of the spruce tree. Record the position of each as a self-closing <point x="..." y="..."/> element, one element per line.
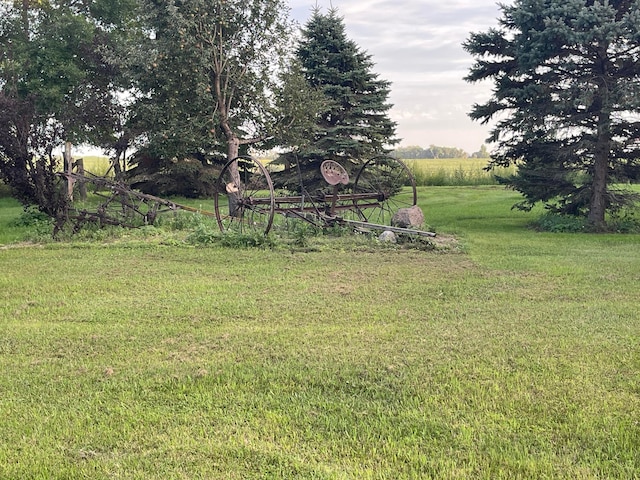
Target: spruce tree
<point x="566" y="101"/>
<point x="353" y="123"/>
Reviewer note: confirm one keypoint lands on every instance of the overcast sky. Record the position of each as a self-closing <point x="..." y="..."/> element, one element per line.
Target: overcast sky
<point x="416" y="45"/>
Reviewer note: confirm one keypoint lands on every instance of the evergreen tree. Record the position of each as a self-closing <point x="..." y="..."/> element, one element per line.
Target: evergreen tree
<point x="567" y="99"/>
<point x="352" y="125"/>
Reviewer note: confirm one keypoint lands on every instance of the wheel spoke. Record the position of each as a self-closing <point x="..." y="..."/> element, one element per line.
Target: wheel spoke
<point x="244" y="197"/>
<point x="383" y="186"/>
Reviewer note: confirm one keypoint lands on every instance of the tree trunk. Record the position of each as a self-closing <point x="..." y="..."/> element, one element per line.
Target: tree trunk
<point x="598" y="203"/>
<point x="598" y="207"/>
<point x="233" y="148"/>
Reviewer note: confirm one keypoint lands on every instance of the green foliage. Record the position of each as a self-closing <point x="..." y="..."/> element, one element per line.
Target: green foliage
<point x="356" y="99"/>
<point x="57" y="84"/>
<point x="204" y="234"/>
<point x="181" y="220"/>
<point x="352" y="124"/>
<point x="558" y="223"/>
<point x="30" y="218"/>
<point x="624" y="222"/>
<point x="215" y="78"/>
<point x="36" y="225"/>
<point x="433" y="151"/>
<point x="482" y="153"/>
<point x="566" y="94"/>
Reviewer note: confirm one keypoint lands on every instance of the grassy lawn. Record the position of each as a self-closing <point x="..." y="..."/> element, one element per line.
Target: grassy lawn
<point x="517" y="357"/>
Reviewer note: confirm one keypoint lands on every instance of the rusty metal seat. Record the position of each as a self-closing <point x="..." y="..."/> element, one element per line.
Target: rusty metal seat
<point x="334" y="173"/>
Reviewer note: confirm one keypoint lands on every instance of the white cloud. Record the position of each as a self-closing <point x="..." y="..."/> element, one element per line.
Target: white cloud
<point x="417" y="45"/>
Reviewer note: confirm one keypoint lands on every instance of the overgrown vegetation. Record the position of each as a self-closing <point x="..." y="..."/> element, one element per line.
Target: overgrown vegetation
<point x="626" y="222"/>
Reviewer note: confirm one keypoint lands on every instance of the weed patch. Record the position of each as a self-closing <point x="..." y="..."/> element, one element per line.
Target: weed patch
<point x="558" y="223"/>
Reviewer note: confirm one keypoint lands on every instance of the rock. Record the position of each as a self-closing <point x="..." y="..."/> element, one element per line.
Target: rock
<point x="387" y="237"/>
<point x="411" y="217"/>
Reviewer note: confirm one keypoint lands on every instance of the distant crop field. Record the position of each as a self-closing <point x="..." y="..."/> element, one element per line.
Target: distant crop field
<point x="455" y="171"/>
<point x="96" y="164"/>
<point x="428" y="172"/>
<point x="434" y="164"/>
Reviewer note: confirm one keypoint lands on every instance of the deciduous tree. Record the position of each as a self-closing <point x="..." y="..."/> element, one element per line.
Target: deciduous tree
<point x="215" y="79"/>
<point x="56" y="85"/>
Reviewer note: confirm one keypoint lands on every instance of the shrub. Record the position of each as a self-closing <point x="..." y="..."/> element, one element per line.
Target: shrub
<point x="559" y="223"/>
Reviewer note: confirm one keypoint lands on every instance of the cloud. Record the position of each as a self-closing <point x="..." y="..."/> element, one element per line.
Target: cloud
<point x="417" y="45"/>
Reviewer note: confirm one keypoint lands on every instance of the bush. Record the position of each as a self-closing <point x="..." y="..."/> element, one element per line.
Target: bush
<point x="626" y="222"/>
<point x="35" y="225"/>
<point x="559" y="223"/>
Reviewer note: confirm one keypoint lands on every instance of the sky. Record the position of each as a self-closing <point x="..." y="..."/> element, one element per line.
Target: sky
<point x="417" y="46"/>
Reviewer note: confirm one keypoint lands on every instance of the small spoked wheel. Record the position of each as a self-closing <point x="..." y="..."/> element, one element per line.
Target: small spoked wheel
<point x="244" y="199"/>
<point x="382" y="186"/>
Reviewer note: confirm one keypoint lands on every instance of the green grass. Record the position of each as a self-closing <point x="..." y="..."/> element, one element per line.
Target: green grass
<point x="519" y="358"/>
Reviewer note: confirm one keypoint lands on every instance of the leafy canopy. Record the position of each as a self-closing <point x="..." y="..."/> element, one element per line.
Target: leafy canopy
<point x="215" y="77"/>
<point x="57" y="84"/>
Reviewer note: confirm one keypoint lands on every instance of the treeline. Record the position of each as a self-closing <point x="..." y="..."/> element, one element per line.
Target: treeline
<point x="435" y="151"/>
<point x="172" y="91"/>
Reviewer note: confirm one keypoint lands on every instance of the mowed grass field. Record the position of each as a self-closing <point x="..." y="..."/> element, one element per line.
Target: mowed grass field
<point x="515" y="355"/>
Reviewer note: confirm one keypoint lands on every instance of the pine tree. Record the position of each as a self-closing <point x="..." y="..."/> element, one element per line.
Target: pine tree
<point x="566" y="100"/>
<point x="353" y="124"/>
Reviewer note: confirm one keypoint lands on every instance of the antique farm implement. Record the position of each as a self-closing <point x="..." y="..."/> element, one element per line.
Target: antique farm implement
<point x="118" y="204"/>
<point x="252" y="197"/>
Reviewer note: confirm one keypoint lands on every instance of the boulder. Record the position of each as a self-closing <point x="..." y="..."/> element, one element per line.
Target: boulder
<point x="387" y="237"/>
<point x="411" y="217"/>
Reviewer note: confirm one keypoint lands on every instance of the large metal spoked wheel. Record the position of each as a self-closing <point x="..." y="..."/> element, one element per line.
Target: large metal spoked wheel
<point x="244" y="200"/>
<point x="382" y="186"/>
